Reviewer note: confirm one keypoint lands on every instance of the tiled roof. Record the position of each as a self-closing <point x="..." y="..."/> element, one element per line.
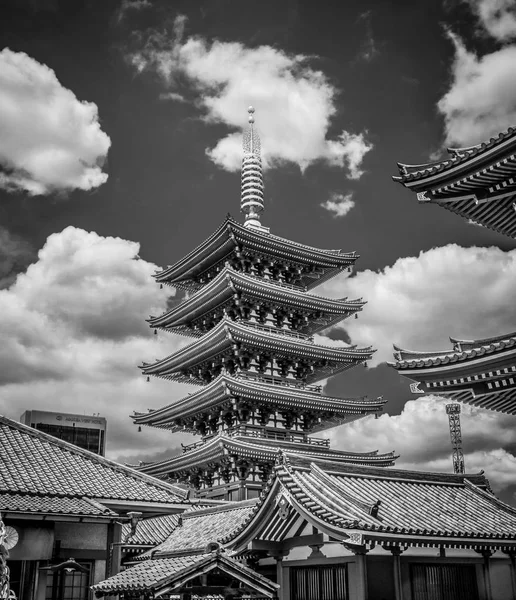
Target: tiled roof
<point x="462" y="352"/>
<point x="34" y="463"/>
<point x="56" y="505"/>
<point x="458" y="156"/>
<point x="227" y="333"/>
<point x="150" y="532"/>
<point x="224" y="387"/>
<point x="222" y="243"/>
<point x="198" y="528"/>
<point x="174" y="573"/>
<point x="262" y="449"/>
<point x="222" y="289"/>
<point x="147" y="575"/>
<point x="383" y="502"/>
<point x="153" y="531"/>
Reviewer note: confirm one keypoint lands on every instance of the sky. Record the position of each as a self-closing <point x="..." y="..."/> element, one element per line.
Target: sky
<point x="120" y="136"/>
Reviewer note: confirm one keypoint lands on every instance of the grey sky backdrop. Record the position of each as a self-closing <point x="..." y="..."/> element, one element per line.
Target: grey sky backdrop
<point x="120" y="125"/>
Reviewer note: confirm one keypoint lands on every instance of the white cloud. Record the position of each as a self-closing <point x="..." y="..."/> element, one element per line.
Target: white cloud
<point x="420" y="301"/>
<point x="497" y="17"/>
<point x="127" y="6"/>
<point x="294" y="102"/>
<point x="339" y="204"/>
<point x="481" y="101"/>
<point x="420" y="435"/>
<point x="73" y="334"/>
<point x="50" y="140"/>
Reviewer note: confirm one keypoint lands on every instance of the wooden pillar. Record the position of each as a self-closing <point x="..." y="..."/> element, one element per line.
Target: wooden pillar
<point x="512" y="558"/>
<point x="283" y="591"/>
<point x="487" y="574"/>
<point x="361" y="573"/>
<point x="398" y="583"/>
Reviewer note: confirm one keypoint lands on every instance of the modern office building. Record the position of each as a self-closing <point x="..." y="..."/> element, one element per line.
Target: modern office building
<point x="85" y="431"/>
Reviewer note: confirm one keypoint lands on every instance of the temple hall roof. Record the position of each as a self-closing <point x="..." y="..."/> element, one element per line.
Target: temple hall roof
<point x="221" y="290"/>
<point x="478" y="372"/>
<point x="363" y="504"/>
<point x="219" y="447"/>
<point x="227" y="334"/>
<point x="224" y="388"/>
<point x="232" y="237"/>
<point x="198" y="528"/>
<point x="477" y="183"/>
<point x="464" y="351"/>
<point x="170" y="574"/>
<point x="41" y="474"/>
<point x="460" y="161"/>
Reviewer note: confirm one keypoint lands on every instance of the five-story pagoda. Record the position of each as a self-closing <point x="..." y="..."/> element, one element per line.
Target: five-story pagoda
<point x="254" y="360"/>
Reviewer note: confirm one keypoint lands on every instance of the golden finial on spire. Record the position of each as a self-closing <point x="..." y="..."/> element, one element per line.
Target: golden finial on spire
<point x="251" y="202"/>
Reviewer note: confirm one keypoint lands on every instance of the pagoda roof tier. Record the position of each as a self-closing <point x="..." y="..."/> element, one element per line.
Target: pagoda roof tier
<point x="477" y="183"/>
<point x="224" y="389"/>
<point x="478" y="372"/>
<point x="231" y="240"/>
<point x="219" y="448"/>
<point x="228" y="340"/>
<point x="231" y="287"/>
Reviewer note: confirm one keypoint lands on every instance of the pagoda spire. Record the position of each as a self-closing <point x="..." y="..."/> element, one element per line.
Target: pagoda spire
<point x="251" y="200"/>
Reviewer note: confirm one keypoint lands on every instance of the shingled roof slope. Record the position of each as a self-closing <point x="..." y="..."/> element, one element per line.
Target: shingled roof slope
<point x="383" y="505"/>
<point x="34" y="464"/>
<point x="198" y="528"/>
<point x="171" y="574"/>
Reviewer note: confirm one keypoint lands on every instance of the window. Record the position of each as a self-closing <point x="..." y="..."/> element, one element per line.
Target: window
<point x="444" y="582"/>
<point x="62" y="585"/>
<point x="319" y="583"/>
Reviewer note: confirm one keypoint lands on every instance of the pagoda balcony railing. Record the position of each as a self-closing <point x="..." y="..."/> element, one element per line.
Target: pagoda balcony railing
<point x="277" y="381"/>
<point x="278" y="331"/>
<point x="285" y="436"/>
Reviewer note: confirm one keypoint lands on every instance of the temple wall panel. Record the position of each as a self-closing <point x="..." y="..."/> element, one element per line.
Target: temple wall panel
<point x="89" y="536"/>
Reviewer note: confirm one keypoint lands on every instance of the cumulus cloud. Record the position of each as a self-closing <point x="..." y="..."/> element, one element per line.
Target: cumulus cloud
<point x="295" y="103"/>
<point x="50" y="141"/>
<point x="481" y="100"/>
<point x="497" y="17"/>
<point x="73" y="334"/>
<point x="420" y="435"/>
<point x="339" y="204"/>
<point x="420" y="301"/>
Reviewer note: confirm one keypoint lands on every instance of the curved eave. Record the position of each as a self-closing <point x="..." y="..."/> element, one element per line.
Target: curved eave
<point x="460" y="164"/>
<point x="227" y="333"/>
<point x="491" y="353"/>
<point x="222" y="446"/>
<point x="224" y="388"/>
<point x="229" y="281"/>
<point x="472" y="344"/>
<point x="230" y="234"/>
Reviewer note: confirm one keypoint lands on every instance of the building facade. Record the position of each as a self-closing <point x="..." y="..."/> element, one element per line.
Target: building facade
<point x="85" y="431"/>
<point x="63" y="509"/>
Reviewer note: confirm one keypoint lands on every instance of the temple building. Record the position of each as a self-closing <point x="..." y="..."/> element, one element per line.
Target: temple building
<point x="251" y="313"/>
<point x="477" y="372"/>
<point x="479" y="184"/>
<point x="300" y="521"/>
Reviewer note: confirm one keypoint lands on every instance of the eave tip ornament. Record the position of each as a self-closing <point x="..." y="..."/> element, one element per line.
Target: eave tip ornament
<point x="251" y="199"/>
